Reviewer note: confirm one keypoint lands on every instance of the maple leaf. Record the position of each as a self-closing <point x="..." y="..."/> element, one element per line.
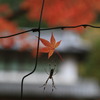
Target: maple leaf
<point x="49" y="46"/>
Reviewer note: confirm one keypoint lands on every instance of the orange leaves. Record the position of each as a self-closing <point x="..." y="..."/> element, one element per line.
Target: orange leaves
<point x="5" y="24"/>
<point x="49" y="46"/>
<point x="4" y="8"/>
<point x="45" y="42"/>
<point x="63" y="12"/>
<point x="32" y="6"/>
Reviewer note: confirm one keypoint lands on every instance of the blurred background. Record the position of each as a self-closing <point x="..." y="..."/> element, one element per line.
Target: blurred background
<point x="77" y="76"/>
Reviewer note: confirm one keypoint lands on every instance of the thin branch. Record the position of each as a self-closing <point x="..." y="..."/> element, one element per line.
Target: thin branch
<point x="37" y="51"/>
<point x="50" y="28"/>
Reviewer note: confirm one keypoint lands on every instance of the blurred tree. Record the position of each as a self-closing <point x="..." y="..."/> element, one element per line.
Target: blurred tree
<point x="92" y="63"/>
<point x="63" y="12"/>
<point x="56" y="13"/>
<point x="25" y="13"/>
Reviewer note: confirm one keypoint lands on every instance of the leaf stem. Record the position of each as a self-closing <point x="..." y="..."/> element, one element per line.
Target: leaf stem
<point x="61" y="58"/>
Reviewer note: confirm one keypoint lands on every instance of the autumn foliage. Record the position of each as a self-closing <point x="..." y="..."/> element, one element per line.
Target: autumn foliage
<point x="6" y="27"/>
<point x="63" y="12"/>
<point x="49" y="46"/>
<point x="56" y="13"/>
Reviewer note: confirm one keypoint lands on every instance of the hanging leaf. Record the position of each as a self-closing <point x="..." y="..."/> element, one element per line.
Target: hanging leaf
<point x="49" y="46"/>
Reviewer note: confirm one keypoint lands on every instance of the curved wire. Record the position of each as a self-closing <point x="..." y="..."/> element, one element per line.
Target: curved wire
<point x="50" y="28"/>
<point x="37" y="51"/>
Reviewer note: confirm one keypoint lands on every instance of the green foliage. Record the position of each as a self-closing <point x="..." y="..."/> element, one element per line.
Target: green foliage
<point x="11" y="3"/>
<point x="22" y="21"/>
<point x="91" y="67"/>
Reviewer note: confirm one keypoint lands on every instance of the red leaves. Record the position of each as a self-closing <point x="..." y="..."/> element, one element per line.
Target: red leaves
<point x="63" y="12"/>
<point x="45" y="42"/>
<point x="4" y="8"/>
<point x="49" y="46"/>
<point x="45" y="50"/>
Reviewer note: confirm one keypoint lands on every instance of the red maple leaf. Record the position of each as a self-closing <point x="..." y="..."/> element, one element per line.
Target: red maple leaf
<point x="49" y="46"/>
